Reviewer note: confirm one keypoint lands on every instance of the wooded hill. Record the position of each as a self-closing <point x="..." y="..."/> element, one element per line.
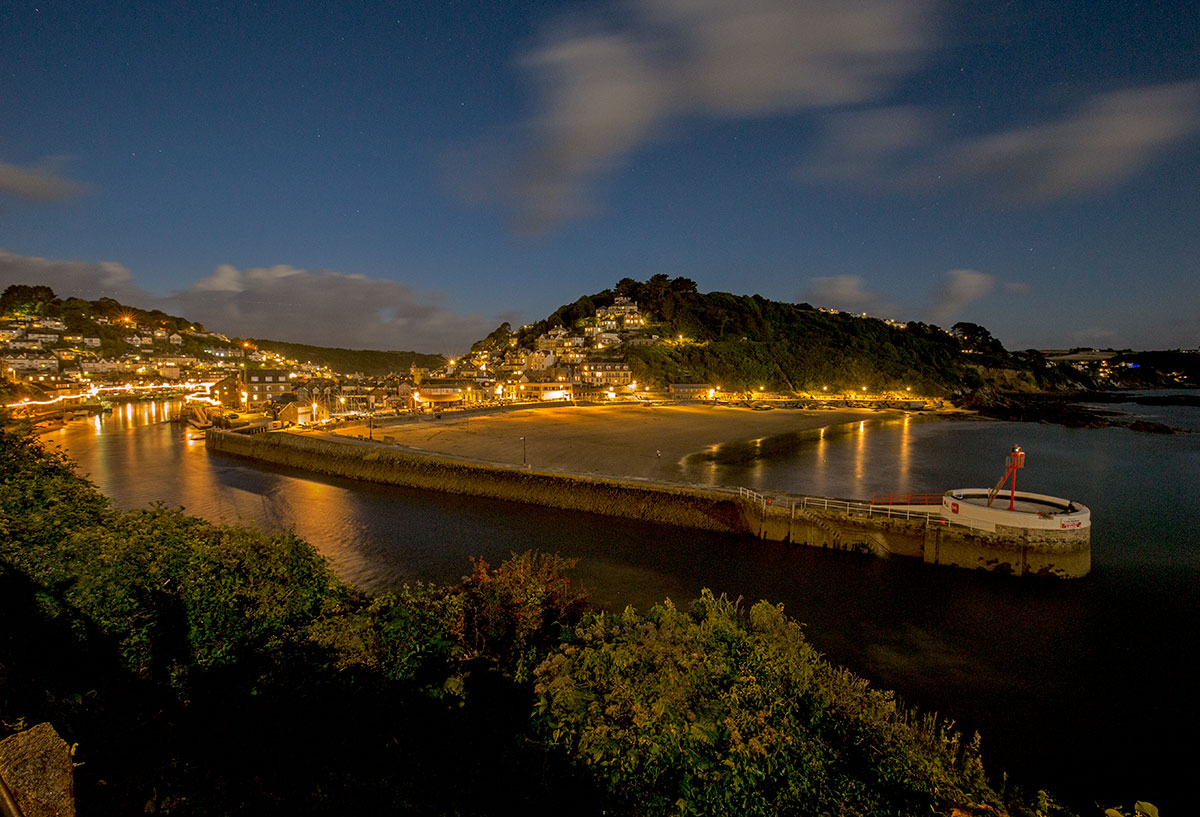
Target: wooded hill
<point x="742" y="342"/>
<point x="350" y="361"/>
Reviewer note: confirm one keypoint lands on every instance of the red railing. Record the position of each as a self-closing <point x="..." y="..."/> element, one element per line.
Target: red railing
<point x="906" y="499"/>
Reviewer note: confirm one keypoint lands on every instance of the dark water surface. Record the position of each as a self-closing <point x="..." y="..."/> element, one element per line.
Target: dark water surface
<point x="1085" y="688"/>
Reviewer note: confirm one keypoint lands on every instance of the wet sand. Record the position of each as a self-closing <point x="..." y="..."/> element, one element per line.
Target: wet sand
<point x="625" y="440"/>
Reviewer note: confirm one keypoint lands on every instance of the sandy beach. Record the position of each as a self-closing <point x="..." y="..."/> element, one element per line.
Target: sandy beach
<point x="624" y="440"/>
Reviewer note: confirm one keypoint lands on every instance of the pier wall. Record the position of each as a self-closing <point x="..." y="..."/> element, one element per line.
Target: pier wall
<point x="782" y="518"/>
<point x="632" y="499"/>
<point x="1016" y="551"/>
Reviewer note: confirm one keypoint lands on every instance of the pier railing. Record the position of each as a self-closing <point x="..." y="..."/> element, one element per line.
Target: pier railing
<point x="850" y="507"/>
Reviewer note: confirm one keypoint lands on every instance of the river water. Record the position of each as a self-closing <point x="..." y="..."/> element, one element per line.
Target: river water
<point x="1085" y="688"/>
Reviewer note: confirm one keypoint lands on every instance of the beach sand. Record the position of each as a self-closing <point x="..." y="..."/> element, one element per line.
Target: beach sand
<point x="624" y="440"/>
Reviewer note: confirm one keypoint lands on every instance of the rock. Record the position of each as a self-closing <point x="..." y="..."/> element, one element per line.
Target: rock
<point x="1151" y="427"/>
<point x="36" y="766"/>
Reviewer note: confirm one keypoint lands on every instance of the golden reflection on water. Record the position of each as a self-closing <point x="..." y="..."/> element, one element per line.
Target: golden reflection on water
<point x="820" y="464"/>
<point x="903" y="456"/>
<point x="860" y="451"/>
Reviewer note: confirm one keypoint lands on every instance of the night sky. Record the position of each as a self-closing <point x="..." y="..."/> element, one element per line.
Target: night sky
<point x="408" y="175"/>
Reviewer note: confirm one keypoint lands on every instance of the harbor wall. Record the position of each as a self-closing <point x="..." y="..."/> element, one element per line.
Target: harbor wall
<point x="782" y="518"/>
<point x="1012" y="550"/>
<point x="632" y="499"/>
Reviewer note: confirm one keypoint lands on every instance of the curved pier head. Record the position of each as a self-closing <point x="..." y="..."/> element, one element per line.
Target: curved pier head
<point x="1053" y="535"/>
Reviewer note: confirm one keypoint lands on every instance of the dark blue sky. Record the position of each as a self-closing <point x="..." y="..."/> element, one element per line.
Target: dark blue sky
<point x="403" y="175"/>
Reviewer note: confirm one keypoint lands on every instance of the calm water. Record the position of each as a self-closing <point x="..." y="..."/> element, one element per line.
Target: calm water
<point x="1084" y="687"/>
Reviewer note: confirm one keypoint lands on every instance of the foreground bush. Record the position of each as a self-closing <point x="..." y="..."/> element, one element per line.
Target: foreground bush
<point x="213" y="669"/>
<point x="708" y="711"/>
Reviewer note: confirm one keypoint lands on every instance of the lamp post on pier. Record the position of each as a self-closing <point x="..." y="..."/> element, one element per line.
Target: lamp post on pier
<point x="523" y="461"/>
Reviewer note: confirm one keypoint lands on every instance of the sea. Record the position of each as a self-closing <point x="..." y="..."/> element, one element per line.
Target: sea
<point x="1084" y="688"/>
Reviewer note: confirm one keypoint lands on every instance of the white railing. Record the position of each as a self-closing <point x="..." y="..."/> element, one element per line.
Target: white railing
<point x="849" y="507"/>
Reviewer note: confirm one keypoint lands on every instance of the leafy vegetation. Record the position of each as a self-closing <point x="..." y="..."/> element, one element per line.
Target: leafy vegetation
<point x="710" y="711"/>
<point x="213" y="669"/>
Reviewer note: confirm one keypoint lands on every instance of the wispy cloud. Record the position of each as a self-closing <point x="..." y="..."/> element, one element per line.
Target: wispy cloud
<point x="1103" y="143"/>
<point x="39" y="182"/>
<point x="848" y="293"/>
<point x="959" y="287"/>
<point x="868" y="145"/>
<point x="87" y="279"/>
<point x="280" y="302"/>
<point x="605" y="87"/>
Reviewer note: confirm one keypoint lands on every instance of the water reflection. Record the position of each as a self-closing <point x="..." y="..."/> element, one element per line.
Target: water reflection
<point x="851" y="460"/>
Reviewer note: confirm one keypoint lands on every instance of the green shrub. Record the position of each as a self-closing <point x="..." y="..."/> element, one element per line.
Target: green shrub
<point x="710" y="711"/>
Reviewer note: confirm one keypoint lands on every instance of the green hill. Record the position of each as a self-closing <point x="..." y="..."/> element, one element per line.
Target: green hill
<point x="742" y="342"/>
<point x="349" y="361"/>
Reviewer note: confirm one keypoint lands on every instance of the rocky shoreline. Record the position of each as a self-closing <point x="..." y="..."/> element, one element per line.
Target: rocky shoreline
<point x="1071" y="410"/>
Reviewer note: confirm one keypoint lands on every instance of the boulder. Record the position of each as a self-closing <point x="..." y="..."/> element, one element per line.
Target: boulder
<point x="37" y="769"/>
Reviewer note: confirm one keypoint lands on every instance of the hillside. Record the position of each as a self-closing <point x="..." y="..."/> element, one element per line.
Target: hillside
<point x="744" y="342"/>
<point x="364" y="361"/>
<point x="115" y="323"/>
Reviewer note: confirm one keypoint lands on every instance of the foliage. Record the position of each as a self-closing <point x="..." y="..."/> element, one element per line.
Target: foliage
<point x="1140" y="809"/>
<point x="20" y="299"/>
<point x="513" y="615"/>
<point x="709" y="711"/>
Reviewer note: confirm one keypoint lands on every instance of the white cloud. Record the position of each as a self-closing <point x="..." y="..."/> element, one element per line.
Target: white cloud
<point x="776" y="56"/>
<point x="605" y="89"/>
<point x="601" y="97"/>
<point x="39" y="183"/>
<point x="85" y="279"/>
<point x="320" y="307"/>
<point x="846" y="292"/>
<point x="1102" y="144"/>
<point x="959" y="288"/>
<point x="227" y="278"/>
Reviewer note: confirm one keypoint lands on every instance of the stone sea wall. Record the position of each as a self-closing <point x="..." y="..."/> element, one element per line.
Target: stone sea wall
<point x="685" y="507"/>
<point x="1065" y="554"/>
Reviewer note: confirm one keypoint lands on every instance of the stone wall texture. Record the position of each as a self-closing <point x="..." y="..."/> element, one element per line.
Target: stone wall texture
<point x="1063" y="554"/>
